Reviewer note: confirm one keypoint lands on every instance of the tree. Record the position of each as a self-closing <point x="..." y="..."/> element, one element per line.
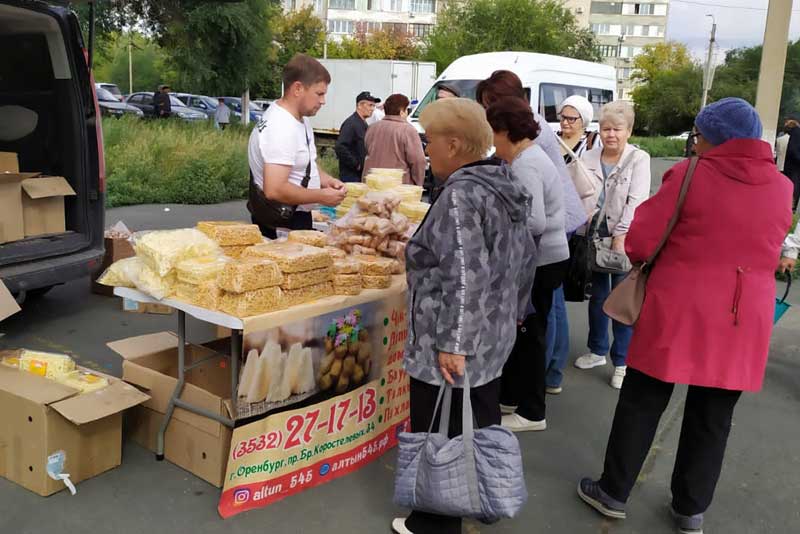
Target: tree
<point x="654" y="59"/>
<point x="298" y="32"/>
<point x="476" y="26"/>
<point x="669" y="101"/>
<point x="383" y="44"/>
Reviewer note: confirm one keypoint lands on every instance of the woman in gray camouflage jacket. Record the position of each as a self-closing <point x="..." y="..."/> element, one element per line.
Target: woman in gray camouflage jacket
<point x="470" y="269"/>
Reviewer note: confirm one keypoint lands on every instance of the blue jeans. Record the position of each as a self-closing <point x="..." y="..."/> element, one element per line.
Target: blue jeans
<point x="557" y="340"/>
<point x="598" y="321"/>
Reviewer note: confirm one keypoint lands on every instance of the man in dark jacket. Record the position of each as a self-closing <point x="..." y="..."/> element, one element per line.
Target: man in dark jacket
<point x="792" y="166"/>
<point x="350" y="147"/>
<point x="162" y="103"/>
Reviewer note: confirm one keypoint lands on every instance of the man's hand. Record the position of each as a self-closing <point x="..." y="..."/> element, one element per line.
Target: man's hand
<point x="451" y="364"/>
<point x="333" y="183"/>
<point x="786" y="265"/>
<point x="618" y="244"/>
<point x="328" y="196"/>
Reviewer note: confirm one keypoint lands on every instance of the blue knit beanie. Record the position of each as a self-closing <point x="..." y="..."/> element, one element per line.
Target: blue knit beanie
<point x="726" y="119"/>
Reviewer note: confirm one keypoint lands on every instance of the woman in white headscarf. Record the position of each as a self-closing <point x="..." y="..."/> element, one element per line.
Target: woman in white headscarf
<point x="575" y="114"/>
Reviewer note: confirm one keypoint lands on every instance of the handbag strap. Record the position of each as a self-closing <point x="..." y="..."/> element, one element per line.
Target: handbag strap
<point x="566" y="147"/>
<point x="590" y="234"/>
<point x="687" y="179"/>
<point x="788" y="288"/>
<point x="307" y="177"/>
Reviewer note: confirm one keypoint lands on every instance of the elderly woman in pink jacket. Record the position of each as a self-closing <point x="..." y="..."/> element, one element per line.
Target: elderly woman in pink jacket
<point x="707" y="316"/>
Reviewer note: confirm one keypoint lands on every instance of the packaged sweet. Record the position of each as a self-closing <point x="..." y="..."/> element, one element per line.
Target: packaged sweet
<point x="347" y="280"/>
<point x="231" y="233"/>
<point x="291" y="257"/>
<point x="235" y="252"/>
<point x="162" y="250"/>
<point x="249" y="274"/>
<point x="158" y="287"/>
<point x="347" y="290"/>
<point x="376" y="281"/>
<point x="377" y="203"/>
<point x="358" y="250"/>
<point x="375" y="265"/>
<point x="197" y="270"/>
<point x="336" y="252"/>
<point x="293" y="297"/>
<point x="208" y="295"/>
<point x="356" y="189"/>
<point x="46" y="364"/>
<point x="346" y="266"/>
<point x="307" y="278"/>
<point x="383" y="179"/>
<point x="122" y="273"/>
<point x="251" y="302"/>
<point x="83" y="381"/>
<point x="415" y="211"/>
<point x="186" y="292"/>
<point x="408" y="192"/>
<point x="308" y="237"/>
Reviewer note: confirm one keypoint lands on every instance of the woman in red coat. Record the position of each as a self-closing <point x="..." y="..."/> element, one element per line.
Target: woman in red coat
<point x="707" y="317"/>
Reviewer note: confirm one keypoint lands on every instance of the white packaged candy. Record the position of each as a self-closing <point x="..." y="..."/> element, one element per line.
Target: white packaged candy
<point x="162" y="250"/>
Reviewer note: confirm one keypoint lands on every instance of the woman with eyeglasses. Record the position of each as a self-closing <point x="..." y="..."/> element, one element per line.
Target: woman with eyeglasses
<point x="575" y="114"/>
<point x="622" y="175"/>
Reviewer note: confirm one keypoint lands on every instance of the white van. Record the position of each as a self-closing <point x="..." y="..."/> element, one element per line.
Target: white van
<point x="547" y="79"/>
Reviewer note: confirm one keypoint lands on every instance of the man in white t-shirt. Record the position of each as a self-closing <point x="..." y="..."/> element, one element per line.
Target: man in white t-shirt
<point x="282" y="155"/>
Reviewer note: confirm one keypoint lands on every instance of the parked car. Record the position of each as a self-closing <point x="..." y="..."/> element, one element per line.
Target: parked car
<point x="46" y="79"/>
<point x="110" y="106"/>
<point x="236" y="107"/>
<point x="111" y="88"/>
<point x="144" y="101"/>
<point x="203" y="104"/>
<point x="263" y="104"/>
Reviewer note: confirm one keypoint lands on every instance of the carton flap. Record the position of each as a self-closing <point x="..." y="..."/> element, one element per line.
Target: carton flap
<point x="16" y="176"/>
<point x="9" y="162"/>
<point x="8" y="306"/>
<point x="34" y="388"/>
<point x="118" y="396"/>
<point x="47" y="186"/>
<point x="136" y="347"/>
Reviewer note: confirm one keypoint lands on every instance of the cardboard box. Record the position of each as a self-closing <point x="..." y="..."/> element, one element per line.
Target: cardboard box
<point x="8" y="305"/>
<point x="130" y="305"/>
<point x="43" y="205"/>
<point x="193" y="442"/>
<point x="12" y="226"/>
<point x="116" y="249"/>
<point x="41" y="417"/>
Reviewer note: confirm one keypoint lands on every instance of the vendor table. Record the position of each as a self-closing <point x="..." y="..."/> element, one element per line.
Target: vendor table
<point x="239" y="327"/>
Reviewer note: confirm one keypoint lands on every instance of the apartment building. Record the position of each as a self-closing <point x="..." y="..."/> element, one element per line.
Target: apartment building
<point x="345" y="17"/>
<point x="623" y="29"/>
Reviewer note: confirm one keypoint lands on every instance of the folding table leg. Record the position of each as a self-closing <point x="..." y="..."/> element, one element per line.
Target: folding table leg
<point x="236" y="353"/>
<point x="178" y="387"/>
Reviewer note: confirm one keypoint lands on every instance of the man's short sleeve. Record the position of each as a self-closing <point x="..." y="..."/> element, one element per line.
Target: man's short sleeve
<point x="278" y="143"/>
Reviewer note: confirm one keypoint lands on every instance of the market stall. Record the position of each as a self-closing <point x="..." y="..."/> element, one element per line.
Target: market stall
<point x="315" y="385"/>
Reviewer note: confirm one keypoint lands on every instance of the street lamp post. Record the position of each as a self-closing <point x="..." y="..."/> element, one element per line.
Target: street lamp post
<point x="707" y="74"/>
<point x="620" y="40"/>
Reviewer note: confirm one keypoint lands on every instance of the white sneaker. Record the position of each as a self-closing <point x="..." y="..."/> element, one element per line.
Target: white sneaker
<point x="553" y="390"/>
<point x="619" y="376"/>
<point x="506" y="409"/>
<point x="516" y="423"/>
<point x="399" y="526"/>
<point x="587" y="361"/>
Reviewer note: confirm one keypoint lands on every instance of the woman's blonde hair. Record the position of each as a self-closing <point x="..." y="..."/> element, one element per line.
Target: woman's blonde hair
<point x="616" y="112"/>
<point x="461" y="118"/>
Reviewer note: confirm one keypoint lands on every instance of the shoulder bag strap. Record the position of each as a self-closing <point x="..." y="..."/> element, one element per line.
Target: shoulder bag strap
<point x="687" y="179"/>
<point x="307" y="177"/>
<point x="569" y="151"/>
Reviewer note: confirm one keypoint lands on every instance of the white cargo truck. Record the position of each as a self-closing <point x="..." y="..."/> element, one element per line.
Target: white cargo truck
<point x="380" y="77"/>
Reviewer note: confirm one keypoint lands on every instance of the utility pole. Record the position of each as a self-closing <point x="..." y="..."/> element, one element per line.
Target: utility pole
<point x="773" y="64"/>
<point x="707" y="73"/>
<point x="620" y="81"/>
<point x="325" y="6"/>
<point x="131" y="46"/>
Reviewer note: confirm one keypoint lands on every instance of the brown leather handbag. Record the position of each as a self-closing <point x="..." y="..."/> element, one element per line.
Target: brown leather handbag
<point x="625" y="302"/>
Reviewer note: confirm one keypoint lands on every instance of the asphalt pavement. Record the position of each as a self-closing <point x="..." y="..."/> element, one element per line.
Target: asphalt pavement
<point x="758" y="493"/>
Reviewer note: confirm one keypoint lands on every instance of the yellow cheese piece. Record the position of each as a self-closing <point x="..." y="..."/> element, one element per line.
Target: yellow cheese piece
<point x="83" y="381"/>
<point x="46" y="364"/>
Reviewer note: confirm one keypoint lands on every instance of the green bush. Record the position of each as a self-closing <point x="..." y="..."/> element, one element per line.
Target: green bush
<point x="155" y="162"/>
<point x="660" y="147"/>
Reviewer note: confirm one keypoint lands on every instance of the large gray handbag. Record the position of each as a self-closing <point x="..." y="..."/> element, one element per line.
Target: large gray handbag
<point x="476" y="475"/>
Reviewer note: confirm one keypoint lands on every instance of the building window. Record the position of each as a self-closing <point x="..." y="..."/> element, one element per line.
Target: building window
<point x="601" y="29"/>
<point x="419" y="30"/>
<point x="608" y="8"/>
<point x="341" y="26"/>
<point x="660" y="10"/>
<point x="624" y="73"/>
<point x="608" y="50"/>
<point x="645" y="9"/>
<point x="395" y="27"/>
<point x="342" y="4"/>
<point x="422" y="6"/>
<point x="395" y="5"/>
<point x="372" y="27"/>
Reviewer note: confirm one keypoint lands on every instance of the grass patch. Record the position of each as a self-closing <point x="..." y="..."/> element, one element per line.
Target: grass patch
<point x="159" y="162"/>
<point x="660" y="147"/>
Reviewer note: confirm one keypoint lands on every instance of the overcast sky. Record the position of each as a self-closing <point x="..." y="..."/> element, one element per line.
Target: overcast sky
<point x="736" y="26"/>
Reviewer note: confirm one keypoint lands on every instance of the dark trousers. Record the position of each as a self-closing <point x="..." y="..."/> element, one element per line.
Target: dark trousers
<point x="704" y="436"/>
<point x="300" y="221"/>
<point x="349" y="178"/>
<point x="486" y="409"/>
<point x="523" y="379"/>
